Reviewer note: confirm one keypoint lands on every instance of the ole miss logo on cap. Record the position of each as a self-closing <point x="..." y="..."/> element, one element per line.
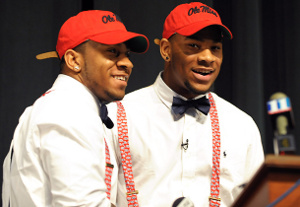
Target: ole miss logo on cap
<point x="108" y="18"/>
<point x="195" y="10"/>
<point x="187" y="19"/>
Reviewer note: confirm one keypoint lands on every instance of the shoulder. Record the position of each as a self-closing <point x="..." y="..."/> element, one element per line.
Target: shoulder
<point x="225" y="108"/>
<point x="64" y="105"/>
<point x="140" y="95"/>
<point x="134" y="102"/>
<point x="235" y="123"/>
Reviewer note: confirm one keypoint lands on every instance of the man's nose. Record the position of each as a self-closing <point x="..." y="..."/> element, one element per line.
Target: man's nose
<point x="206" y="55"/>
<point x="125" y="63"/>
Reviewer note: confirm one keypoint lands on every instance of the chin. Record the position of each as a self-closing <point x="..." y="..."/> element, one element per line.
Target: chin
<point x="117" y="96"/>
<point x="110" y="97"/>
<point x="197" y="90"/>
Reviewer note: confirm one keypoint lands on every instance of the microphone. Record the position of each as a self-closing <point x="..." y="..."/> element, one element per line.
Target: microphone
<point x="185" y="146"/>
<point x="183" y="202"/>
<point x="282" y="119"/>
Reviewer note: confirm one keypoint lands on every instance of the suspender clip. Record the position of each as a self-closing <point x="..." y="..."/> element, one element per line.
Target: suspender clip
<point x="133" y="192"/>
<point x="109" y="165"/>
<point x="215" y="199"/>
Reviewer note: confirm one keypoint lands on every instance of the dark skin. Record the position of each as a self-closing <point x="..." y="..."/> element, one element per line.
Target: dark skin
<point x="103" y="69"/>
<point x="193" y="62"/>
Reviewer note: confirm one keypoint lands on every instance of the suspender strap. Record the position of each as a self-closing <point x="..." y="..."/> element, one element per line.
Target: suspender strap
<point x="214" y="199"/>
<point x="108" y="170"/>
<point x="126" y="156"/>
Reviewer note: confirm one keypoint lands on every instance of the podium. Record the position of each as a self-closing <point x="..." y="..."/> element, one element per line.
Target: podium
<point x="274" y="178"/>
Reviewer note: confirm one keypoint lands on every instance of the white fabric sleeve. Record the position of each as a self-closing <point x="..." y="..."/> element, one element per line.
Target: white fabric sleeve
<point x="74" y="160"/>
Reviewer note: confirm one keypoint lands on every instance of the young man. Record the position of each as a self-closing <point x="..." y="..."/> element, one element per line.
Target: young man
<point x="184" y="140"/>
<point x="59" y="155"/>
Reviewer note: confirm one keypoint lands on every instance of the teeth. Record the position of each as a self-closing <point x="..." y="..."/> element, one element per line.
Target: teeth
<point x="203" y="72"/>
<point x="123" y="78"/>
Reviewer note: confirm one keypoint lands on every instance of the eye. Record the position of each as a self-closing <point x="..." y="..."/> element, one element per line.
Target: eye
<point x="194" y="45"/>
<point x="216" y="48"/>
<point x="127" y="54"/>
<point x="114" y="51"/>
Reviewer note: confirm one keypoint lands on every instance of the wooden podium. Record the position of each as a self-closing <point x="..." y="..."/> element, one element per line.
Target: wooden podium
<point x="276" y="176"/>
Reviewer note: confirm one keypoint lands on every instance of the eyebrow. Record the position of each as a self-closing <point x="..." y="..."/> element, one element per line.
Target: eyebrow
<point x="119" y="46"/>
<point x="215" y="40"/>
<point x="112" y="44"/>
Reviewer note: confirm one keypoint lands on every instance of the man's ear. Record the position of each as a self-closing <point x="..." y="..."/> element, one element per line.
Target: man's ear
<point x="165" y="49"/>
<point x="73" y="60"/>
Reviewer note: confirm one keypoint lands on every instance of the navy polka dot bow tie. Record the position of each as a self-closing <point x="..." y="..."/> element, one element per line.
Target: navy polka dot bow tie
<point x="180" y="106"/>
<point x="105" y="119"/>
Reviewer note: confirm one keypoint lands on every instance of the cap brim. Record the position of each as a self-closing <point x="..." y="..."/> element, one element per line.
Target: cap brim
<point x="52" y="54"/>
<point x="136" y="42"/>
<point x="193" y="28"/>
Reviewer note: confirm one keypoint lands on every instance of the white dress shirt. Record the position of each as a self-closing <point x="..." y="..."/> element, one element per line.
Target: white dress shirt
<point x="58" y="151"/>
<point x="163" y="171"/>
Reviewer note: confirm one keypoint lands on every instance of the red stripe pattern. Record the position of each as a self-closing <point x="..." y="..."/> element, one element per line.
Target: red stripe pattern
<point x="214" y="199"/>
<point x="108" y="171"/>
<point x="126" y="156"/>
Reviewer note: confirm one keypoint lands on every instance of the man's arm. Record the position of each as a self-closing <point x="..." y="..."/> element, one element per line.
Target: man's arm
<point x="74" y="160"/>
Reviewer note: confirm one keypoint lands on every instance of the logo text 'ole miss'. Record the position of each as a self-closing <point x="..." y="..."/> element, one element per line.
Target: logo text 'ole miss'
<point x="108" y="18"/>
<point x="206" y="9"/>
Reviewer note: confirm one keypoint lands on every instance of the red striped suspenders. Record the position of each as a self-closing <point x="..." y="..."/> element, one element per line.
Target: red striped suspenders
<point x="214" y="199"/>
<point x="126" y="159"/>
<point x="126" y="156"/>
<point x="108" y="170"/>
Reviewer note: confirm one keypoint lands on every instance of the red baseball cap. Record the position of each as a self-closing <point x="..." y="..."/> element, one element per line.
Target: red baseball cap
<point x="187" y="19"/>
<point x="100" y="26"/>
